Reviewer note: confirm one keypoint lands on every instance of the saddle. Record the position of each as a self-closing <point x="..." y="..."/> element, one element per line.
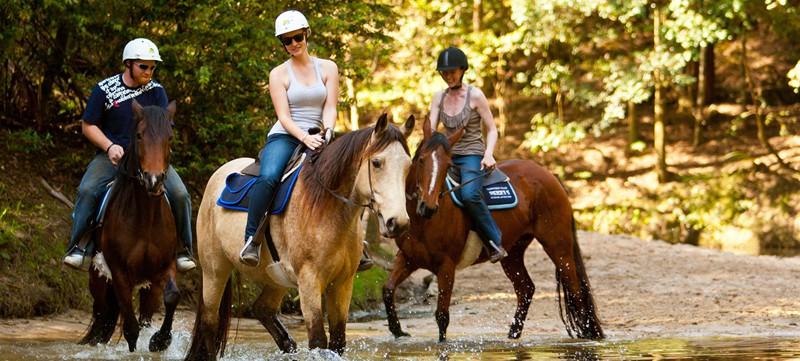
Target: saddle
<point x="498" y="193"/>
<point x="238" y="186"/>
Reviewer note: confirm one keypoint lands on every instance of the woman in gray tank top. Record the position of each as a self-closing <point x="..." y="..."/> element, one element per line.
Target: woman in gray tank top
<point x="469" y="109"/>
<point x="304" y="92"/>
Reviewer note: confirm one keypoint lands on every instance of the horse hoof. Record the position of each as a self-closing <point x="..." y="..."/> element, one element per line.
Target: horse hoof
<point x="401" y="334"/>
<point x="160" y="341"/>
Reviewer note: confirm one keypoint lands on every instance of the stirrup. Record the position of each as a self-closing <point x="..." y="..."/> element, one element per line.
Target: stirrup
<point x="251" y="252"/>
<point x="365" y="262"/>
<point x="497" y="253"/>
<point x="77" y="259"/>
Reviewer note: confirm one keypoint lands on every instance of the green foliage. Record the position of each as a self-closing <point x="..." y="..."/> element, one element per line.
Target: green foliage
<point x="547" y="132"/>
<point x="28" y="141"/>
<point x="704" y="209"/>
<point x="368" y="288"/>
<point x="794" y="77"/>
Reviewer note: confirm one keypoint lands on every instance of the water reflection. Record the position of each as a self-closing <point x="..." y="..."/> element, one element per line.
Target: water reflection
<point x="251" y="342"/>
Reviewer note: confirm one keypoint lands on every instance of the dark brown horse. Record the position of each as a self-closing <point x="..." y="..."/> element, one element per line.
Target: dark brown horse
<point x="137" y="239"/>
<point x="440" y="240"/>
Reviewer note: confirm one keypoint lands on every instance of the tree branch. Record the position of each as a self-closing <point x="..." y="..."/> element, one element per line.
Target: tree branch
<point x="56" y="193"/>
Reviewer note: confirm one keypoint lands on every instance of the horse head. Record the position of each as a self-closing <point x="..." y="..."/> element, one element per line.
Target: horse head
<point x="431" y="162"/>
<point x="382" y="176"/>
<point x="151" y="144"/>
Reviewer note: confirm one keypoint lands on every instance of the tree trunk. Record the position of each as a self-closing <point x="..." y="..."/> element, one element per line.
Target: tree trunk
<point x="477" y="16"/>
<point x="350" y="89"/>
<point x="633" y="123"/>
<point x="500" y="96"/>
<point x="52" y="71"/>
<point x="477" y="26"/>
<point x="706" y="77"/>
<point x="658" y="128"/>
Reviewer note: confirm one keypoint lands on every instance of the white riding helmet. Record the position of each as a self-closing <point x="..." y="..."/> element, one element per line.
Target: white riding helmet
<point x="289" y="21"/>
<point x="140" y="49"/>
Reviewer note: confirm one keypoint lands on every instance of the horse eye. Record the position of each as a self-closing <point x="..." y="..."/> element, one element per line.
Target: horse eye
<point x="376" y="163"/>
<point x="138" y="136"/>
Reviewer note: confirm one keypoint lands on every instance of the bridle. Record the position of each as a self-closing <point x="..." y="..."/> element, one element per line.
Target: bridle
<point x="348" y="201"/>
<point x="122" y="168"/>
<point x="418" y="188"/>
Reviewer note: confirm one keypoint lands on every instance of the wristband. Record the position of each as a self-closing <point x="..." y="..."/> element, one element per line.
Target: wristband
<point x="303" y="138"/>
<point x="109" y="147"/>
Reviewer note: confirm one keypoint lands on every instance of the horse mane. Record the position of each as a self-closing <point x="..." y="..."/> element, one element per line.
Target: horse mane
<point x="334" y="166"/>
<point x="436" y="139"/>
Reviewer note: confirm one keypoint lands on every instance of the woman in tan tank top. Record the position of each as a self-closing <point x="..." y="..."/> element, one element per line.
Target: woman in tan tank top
<point x="464" y="106"/>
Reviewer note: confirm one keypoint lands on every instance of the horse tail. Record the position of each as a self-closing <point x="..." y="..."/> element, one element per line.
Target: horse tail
<point x="578" y="311"/>
<point x="204" y="346"/>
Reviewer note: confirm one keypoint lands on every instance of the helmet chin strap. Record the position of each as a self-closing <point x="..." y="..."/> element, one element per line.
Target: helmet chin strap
<point x="460" y="83"/>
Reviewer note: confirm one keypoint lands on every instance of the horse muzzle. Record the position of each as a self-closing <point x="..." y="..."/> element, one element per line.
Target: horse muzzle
<point x="424" y="211"/>
<point x="153" y="183"/>
<point x="394" y="226"/>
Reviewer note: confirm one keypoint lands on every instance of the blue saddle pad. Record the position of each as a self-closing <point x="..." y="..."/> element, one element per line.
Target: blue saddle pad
<point x="238" y="187"/>
<point x="498" y="195"/>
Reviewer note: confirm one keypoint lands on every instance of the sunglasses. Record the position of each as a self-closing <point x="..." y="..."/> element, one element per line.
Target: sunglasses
<point x="145" y="67"/>
<point x="297" y="38"/>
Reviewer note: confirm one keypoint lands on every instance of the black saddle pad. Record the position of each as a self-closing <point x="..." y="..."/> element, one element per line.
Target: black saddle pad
<point x="498" y="193"/>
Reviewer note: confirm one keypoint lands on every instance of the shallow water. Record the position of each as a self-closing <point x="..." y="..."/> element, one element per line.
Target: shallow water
<point x="252" y="343"/>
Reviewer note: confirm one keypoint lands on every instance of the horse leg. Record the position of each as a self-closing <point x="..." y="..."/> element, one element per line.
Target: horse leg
<point x="514" y="268"/>
<point x="572" y="281"/>
<point x="124" y="291"/>
<point x="446" y="279"/>
<point x="105" y="311"/>
<point x="337" y="303"/>
<point x="210" y="333"/>
<point x="311" y="304"/>
<point x="148" y="305"/>
<point x="266" y="309"/>
<point x="402" y="269"/>
<point x="163" y="337"/>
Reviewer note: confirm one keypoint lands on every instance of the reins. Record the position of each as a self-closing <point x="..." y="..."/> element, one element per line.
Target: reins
<point x="345" y="200"/>
<point x="443" y="193"/>
<point x="480" y="175"/>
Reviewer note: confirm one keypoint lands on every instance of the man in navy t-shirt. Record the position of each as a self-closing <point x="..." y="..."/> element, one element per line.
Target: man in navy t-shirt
<point x="107" y="122"/>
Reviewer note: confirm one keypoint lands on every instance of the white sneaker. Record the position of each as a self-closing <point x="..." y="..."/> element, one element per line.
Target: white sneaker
<point x="77" y="260"/>
<point x="185" y="263"/>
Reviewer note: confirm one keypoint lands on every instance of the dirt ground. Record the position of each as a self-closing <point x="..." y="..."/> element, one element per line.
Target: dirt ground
<point x="642" y="289"/>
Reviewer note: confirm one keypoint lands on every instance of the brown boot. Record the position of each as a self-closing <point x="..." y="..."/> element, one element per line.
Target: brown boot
<point x="496" y="253"/>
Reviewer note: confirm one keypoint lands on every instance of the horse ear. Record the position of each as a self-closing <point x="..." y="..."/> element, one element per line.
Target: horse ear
<point x="426" y="128"/>
<point x="137" y="108"/>
<point x="380" y="126"/>
<point x="455" y="137"/>
<point x="408" y="126"/>
<point x="171" y="108"/>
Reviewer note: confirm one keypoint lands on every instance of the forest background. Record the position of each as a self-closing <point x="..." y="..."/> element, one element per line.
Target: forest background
<point x="672" y="120"/>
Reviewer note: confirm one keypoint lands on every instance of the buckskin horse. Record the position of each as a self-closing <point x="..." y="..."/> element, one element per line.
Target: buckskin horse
<point x="137" y="239"/>
<point x="440" y="240"/>
<point x="316" y="238"/>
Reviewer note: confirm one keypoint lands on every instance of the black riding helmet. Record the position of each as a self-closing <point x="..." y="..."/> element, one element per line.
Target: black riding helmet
<point x="452" y="58"/>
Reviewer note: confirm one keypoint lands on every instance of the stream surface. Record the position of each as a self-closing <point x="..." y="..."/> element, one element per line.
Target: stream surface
<point x="251" y="342"/>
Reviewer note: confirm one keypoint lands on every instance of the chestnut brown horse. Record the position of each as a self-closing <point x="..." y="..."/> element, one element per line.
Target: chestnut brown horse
<point x="137" y="239"/>
<point x="440" y="240"/>
<point x="316" y="238"/>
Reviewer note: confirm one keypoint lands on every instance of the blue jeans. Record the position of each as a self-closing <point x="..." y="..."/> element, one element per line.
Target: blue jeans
<point x="470" y="196"/>
<point x="274" y="157"/>
<point x="93" y="187"/>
